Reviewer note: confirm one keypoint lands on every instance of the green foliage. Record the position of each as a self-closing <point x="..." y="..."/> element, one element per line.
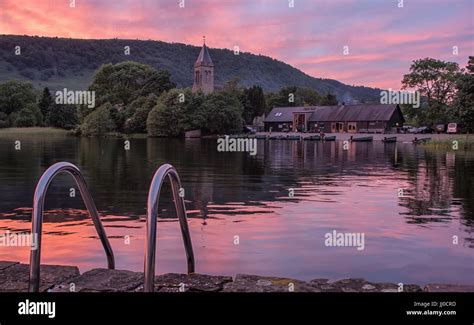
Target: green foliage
<point x="464" y="104"/>
<point x="298" y="96"/>
<point x="254" y="103"/>
<point x="29" y="116"/>
<point x="116" y="113"/>
<point x="434" y="79"/>
<point x="329" y="100"/>
<point x="222" y="113"/>
<point x="449" y="93"/>
<point x="175" y="114"/>
<point x="234" y="87"/>
<point x="16" y="95"/>
<point x="46" y="102"/>
<point x="4" y="123"/>
<point x="62" y="116"/>
<point x="127" y="86"/>
<point x="98" y="122"/>
<point x="218" y="113"/>
<point x="122" y="83"/>
<point x="137" y="122"/>
<point x="131" y="108"/>
<point x="281" y="98"/>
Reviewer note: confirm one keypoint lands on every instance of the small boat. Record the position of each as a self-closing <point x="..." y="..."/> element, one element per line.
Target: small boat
<point x="416" y="140"/>
<point x="389" y="139"/>
<point x="330" y="138"/>
<point x="362" y="139"/>
<point x="313" y="137"/>
<point x="261" y="136"/>
<point x="293" y="137"/>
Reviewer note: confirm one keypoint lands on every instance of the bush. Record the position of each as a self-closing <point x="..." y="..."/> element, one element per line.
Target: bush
<point x="62" y="116"/>
<point x="137" y="122"/>
<point x="98" y="122"/>
<point x="4" y="123"/>
<point x="116" y="113"/>
<point x="29" y="116"/>
<point x="172" y="117"/>
<point x="222" y="113"/>
<point x="46" y="102"/>
<point x="123" y="82"/>
<point x="15" y="95"/>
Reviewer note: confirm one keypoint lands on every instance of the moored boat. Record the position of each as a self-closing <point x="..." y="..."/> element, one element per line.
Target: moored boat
<point x="362" y="139"/>
<point x="423" y="140"/>
<point x="389" y="139"/>
<point x="313" y="138"/>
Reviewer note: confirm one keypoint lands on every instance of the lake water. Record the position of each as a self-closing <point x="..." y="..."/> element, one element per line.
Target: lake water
<point x="407" y="239"/>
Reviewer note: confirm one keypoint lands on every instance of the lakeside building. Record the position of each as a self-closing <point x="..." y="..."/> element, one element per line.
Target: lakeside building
<point x="361" y="118"/>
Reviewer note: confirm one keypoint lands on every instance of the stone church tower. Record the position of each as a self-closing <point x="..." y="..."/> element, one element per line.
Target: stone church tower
<point x="204" y="72"/>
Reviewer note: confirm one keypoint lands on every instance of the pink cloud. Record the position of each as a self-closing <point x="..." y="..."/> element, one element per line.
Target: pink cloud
<point x="383" y="39"/>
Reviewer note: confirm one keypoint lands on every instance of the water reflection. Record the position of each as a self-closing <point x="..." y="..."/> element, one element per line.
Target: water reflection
<point x="230" y="194"/>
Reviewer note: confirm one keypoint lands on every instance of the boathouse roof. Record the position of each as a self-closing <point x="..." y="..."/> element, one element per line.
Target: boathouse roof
<point x="349" y="113"/>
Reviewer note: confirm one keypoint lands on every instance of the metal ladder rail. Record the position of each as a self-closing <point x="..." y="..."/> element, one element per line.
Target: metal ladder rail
<point x="37" y="217"/>
<point x="152" y="214"/>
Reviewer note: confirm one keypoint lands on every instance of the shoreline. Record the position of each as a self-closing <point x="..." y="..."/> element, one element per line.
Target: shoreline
<point x="25" y="131"/>
<point x="401" y="137"/>
<point x="58" y="278"/>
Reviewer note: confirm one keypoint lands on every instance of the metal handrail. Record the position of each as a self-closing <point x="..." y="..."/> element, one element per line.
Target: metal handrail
<point x="152" y="214"/>
<point x="37" y="217"/>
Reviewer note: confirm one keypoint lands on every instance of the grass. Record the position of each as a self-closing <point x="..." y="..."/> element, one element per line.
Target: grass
<point x="464" y="142"/>
<point x="33" y="131"/>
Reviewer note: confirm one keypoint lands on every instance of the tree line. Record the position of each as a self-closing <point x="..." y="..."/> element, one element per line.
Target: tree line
<point x="136" y="98"/>
<point x="447" y="93"/>
<point x="131" y="97"/>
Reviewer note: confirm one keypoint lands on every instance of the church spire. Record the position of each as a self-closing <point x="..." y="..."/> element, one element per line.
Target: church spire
<point x="204" y="57"/>
<point x="204" y="71"/>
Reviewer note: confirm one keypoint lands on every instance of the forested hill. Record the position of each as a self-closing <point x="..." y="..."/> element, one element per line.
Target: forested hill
<point x="61" y="62"/>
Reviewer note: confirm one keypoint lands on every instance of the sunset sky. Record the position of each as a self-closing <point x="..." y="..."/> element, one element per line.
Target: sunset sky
<point x="383" y="39"/>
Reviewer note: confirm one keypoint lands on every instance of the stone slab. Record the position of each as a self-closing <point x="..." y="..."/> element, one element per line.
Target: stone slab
<point x="433" y="287"/>
<point x="256" y="283"/>
<point x="102" y="280"/>
<point x="15" y="277"/>
<point x="6" y="264"/>
<point x="177" y="282"/>
<point x="360" y="285"/>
